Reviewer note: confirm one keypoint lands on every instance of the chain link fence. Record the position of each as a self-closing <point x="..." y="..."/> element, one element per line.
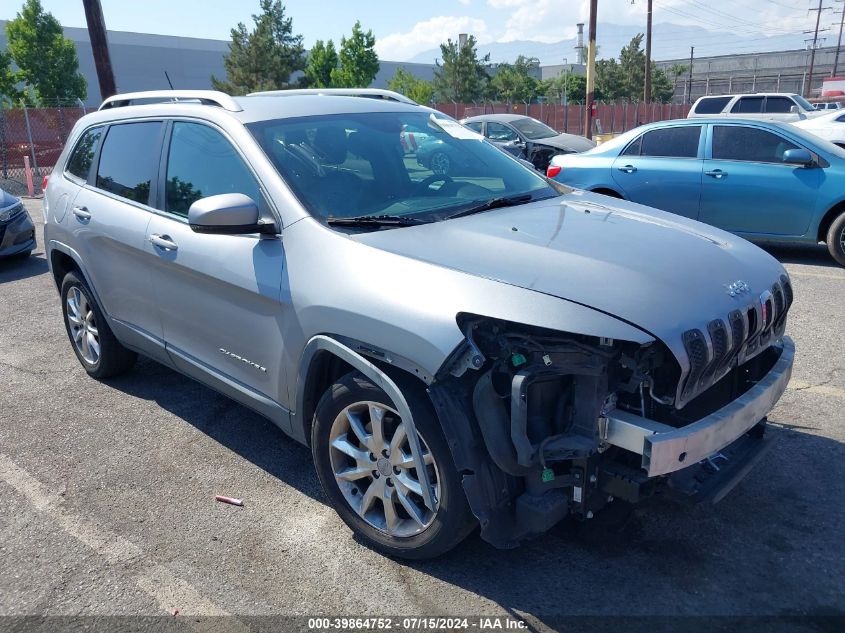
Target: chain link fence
<point x="31" y="140"/>
<point x="611" y="118"/>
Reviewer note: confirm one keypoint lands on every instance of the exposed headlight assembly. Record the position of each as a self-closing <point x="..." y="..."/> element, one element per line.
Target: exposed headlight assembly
<point x="11" y="212"/>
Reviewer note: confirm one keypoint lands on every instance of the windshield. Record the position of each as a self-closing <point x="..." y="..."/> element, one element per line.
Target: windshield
<point x="533" y="129"/>
<point x="379" y="164"/>
<point x="803" y="103"/>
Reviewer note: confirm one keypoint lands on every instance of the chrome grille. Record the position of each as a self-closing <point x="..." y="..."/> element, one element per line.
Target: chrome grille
<point x="730" y="342"/>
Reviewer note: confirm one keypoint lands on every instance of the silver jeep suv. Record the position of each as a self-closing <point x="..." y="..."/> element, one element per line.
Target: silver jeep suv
<point x="486" y="349"/>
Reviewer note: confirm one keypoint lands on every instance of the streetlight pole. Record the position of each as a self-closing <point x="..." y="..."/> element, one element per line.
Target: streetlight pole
<point x="839" y="42"/>
<point x="565" y="81"/>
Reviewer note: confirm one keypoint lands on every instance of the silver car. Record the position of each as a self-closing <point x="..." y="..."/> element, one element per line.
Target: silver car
<point x="493" y="349"/>
<point x="17" y="232"/>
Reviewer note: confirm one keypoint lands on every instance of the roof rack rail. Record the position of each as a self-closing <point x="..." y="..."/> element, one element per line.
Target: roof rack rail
<point x="370" y="93"/>
<point x="205" y="97"/>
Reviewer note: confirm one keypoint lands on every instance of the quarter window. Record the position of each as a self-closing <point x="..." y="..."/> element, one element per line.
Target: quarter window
<point x="671" y="142"/>
<point x="129" y="160"/>
<point x="475" y="126"/>
<point x="711" y="105"/>
<point x="735" y="142"/>
<point x="79" y="163"/>
<point x="202" y="163"/>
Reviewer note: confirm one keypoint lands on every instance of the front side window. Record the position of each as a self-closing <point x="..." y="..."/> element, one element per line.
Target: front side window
<point x="671" y="142"/>
<point x="354" y="165"/>
<point x="735" y="142"/>
<point x="748" y="105"/>
<point x="79" y="163"/>
<point x="129" y="160"/>
<point x="779" y="104"/>
<point x="202" y="163"/>
<point x="501" y="133"/>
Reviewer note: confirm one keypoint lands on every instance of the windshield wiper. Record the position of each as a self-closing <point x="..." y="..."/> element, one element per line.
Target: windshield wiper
<point x="495" y="203"/>
<point x="376" y="220"/>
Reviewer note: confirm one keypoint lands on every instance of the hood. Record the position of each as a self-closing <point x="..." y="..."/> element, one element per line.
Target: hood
<point x="568" y="142"/>
<point x="655" y="270"/>
<point x="7" y="200"/>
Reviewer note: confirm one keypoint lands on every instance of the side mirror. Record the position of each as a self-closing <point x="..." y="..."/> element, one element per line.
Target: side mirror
<point x="798" y="157"/>
<point x="794" y="110"/>
<point x="227" y="214"/>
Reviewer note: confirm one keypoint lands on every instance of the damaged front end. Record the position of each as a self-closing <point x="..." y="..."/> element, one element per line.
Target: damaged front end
<point x="545" y="424"/>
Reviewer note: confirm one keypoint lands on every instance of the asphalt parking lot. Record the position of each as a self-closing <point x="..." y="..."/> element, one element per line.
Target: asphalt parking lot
<point x="107" y="494"/>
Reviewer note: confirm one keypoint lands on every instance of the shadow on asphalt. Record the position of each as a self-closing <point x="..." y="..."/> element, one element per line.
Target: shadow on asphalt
<point x="17" y="267"/>
<point x="816" y="255"/>
<point x="759" y="552"/>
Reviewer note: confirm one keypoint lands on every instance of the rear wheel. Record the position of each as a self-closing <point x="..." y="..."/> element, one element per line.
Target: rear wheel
<point x="90" y="336"/>
<point x="363" y="459"/>
<point x="836" y="239"/>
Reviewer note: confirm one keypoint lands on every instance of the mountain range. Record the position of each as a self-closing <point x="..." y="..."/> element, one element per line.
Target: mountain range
<point x="670" y="41"/>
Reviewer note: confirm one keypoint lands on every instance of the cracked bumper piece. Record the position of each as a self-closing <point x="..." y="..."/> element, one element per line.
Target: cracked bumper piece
<point x="666" y="449"/>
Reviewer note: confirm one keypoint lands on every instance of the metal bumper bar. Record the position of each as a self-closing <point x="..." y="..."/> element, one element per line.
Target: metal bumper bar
<point x="666" y="449"/>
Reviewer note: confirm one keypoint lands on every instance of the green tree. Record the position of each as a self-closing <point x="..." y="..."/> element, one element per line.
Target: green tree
<point x="461" y="76"/>
<point x="609" y="80"/>
<point x="322" y="60"/>
<point x="46" y="58"/>
<point x="515" y="82"/>
<point x="8" y="80"/>
<point x="570" y="84"/>
<point x="625" y="79"/>
<point x="264" y="58"/>
<point x="358" y="62"/>
<point x="404" y="82"/>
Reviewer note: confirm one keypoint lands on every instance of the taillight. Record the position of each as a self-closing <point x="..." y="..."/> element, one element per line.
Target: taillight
<point x="44" y="183"/>
<point x="553" y="170"/>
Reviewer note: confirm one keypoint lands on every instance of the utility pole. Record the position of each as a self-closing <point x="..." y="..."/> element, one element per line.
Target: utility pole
<point x="591" y="71"/>
<point x="839" y="42"/>
<point x="100" y="47"/>
<point x="809" y="87"/>
<point x="689" y="80"/>
<point x="647" y="96"/>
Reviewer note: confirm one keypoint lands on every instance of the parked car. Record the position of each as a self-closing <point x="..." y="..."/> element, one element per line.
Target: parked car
<point x="769" y="106"/>
<point x="527" y="138"/>
<point x="498" y="350"/>
<point x="829" y="126"/>
<point x="828" y="105"/>
<point x="17" y="232"/>
<point x="763" y="180"/>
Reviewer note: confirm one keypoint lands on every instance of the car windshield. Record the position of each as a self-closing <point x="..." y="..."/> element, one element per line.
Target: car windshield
<point x="362" y="165"/>
<point x="533" y="129"/>
<point x="803" y="103"/>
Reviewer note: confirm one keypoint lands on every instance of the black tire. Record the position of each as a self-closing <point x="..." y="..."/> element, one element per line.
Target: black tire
<point x="440" y="164"/>
<point x="453" y="520"/>
<point x="113" y="359"/>
<point x="836" y="239"/>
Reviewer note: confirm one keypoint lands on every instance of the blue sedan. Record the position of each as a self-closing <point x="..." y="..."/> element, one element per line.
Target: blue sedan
<point x="763" y="180"/>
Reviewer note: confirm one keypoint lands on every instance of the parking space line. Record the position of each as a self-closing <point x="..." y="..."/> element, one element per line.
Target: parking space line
<point x="825" y="390"/>
<point x="159" y="582"/>
<point x="795" y="273"/>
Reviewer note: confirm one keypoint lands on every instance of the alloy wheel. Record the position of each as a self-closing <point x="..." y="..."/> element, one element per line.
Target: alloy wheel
<point x="83" y="326"/>
<point x="374" y="470"/>
<point x="440" y="164"/>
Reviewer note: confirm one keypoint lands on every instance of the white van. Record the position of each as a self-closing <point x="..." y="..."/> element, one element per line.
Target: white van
<point x="772" y="106"/>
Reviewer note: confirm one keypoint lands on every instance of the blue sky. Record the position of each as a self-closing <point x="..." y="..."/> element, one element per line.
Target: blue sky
<point x="405" y="28"/>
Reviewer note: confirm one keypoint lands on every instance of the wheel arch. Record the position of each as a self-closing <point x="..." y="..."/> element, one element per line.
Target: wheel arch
<point x="607" y="191"/>
<point x="828" y="218"/>
<point x="325" y="358"/>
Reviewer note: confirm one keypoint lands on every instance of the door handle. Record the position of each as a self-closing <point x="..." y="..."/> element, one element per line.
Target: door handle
<point x="628" y="169"/>
<point x="82" y="213"/>
<point x="164" y="242"/>
<point x="716" y="173"/>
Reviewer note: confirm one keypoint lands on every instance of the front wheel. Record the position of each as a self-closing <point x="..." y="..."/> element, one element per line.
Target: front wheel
<point x="836" y="239"/>
<point x="363" y="459"/>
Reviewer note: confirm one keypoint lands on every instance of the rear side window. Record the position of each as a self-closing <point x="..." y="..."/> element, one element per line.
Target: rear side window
<point x="711" y="105"/>
<point x="779" y="104"/>
<point x="202" y="163"/>
<point x="79" y="163"/>
<point x="748" y="105"/>
<point x="129" y="160"/>
<point x="672" y="142"/>
<point x="734" y="142"/>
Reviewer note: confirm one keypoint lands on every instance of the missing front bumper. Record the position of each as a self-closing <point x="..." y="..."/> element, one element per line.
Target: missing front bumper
<point x="666" y="449"/>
